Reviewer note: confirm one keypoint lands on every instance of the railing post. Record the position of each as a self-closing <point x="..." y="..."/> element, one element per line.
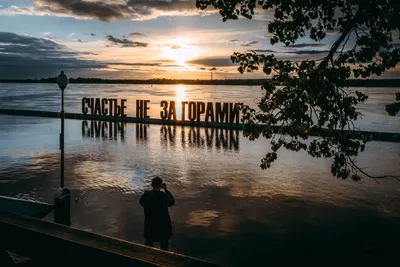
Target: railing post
<point x="62" y="206"/>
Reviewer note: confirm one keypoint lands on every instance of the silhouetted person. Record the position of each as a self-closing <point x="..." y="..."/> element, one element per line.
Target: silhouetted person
<point x="157" y="222"/>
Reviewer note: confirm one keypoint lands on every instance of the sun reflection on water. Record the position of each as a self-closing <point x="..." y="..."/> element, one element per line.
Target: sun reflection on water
<point x="180" y="96"/>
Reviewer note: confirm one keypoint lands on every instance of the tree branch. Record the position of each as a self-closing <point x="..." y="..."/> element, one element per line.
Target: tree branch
<point x="342" y="37"/>
<point x="366" y="174"/>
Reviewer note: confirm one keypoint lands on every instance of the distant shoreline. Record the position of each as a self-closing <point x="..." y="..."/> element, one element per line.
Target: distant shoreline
<point x="249" y="82"/>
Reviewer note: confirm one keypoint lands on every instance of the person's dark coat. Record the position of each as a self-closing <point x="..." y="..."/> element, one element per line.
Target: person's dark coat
<point x="157" y="222"/>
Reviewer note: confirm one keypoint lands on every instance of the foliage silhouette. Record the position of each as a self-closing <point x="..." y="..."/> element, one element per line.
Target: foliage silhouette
<point x="394" y="108"/>
<point x="312" y="94"/>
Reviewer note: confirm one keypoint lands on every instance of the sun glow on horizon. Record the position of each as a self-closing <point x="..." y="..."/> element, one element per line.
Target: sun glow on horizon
<point x="180" y="51"/>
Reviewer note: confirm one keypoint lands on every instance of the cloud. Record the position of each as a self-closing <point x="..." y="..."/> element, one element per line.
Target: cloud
<point x="9" y="41"/>
<point x="213" y="68"/>
<point x="212" y="61"/>
<point x="263" y="51"/>
<point x="333" y="32"/>
<point x="291" y="52"/>
<point x="79" y="40"/>
<point x="172" y="66"/>
<point x="297" y="52"/>
<point x="71" y="34"/>
<point x="247" y="44"/>
<point x="26" y="57"/>
<point x="46" y="33"/>
<point x="123" y="42"/>
<point x="173" y="46"/>
<point x="155" y="64"/>
<point x="166" y="60"/>
<point x="93" y="34"/>
<point x="137" y="34"/>
<point x="302" y="45"/>
<point x="102" y="10"/>
<point x="107" y="10"/>
<point x="292" y="55"/>
<point x="309" y="52"/>
<point x="149" y="6"/>
<point x="234" y="41"/>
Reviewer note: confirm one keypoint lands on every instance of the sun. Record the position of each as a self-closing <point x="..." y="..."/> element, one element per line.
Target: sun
<point x="179" y="50"/>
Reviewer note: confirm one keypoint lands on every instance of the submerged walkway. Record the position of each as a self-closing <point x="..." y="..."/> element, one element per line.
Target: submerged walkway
<point x="376" y="136"/>
<point x="57" y="245"/>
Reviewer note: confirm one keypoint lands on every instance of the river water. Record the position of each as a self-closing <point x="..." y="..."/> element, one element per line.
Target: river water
<point x="227" y="209"/>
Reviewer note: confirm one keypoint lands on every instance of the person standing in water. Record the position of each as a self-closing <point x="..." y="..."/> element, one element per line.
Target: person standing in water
<point x="157" y="222"/>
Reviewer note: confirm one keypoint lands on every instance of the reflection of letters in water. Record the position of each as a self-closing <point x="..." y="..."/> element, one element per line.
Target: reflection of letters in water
<point x="201" y="137"/>
<point x="188" y="136"/>
<point x="103" y="129"/>
<point x="141" y="131"/>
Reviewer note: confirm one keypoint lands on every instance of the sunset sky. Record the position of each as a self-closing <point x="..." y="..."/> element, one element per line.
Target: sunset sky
<point x="136" y="39"/>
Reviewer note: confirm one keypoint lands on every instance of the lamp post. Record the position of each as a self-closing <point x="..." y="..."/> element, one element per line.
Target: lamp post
<point x="62" y="198"/>
<point x="62" y="81"/>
